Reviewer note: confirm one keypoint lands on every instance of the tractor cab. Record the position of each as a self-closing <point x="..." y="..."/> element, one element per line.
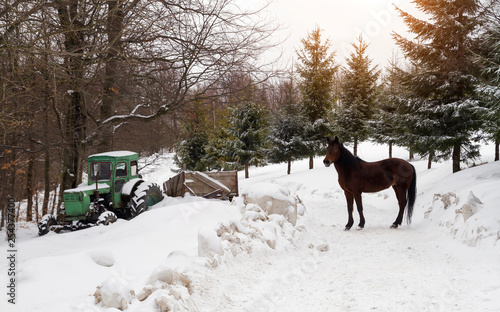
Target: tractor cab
<point x="114" y="169"/>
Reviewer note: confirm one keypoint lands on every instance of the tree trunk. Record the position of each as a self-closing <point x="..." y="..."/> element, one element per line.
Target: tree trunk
<point x="54" y="199"/>
<point x="75" y="131"/>
<point x="497" y="150"/>
<point x="46" y="174"/>
<point x="29" y="188"/>
<point x="431" y="156"/>
<point x="390" y="149"/>
<point x="456" y="156"/>
<point x="46" y="168"/>
<point x="289" y="166"/>
<point x="411" y="154"/>
<point x="311" y="162"/>
<point x="111" y="92"/>
<point x="3" y="197"/>
<point x="37" y="218"/>
<point x="355" y="149"/>
<point x="246" y="171"/>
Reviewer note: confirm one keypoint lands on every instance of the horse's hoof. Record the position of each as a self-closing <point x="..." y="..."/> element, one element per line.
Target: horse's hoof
<point x="394" y="226"/>
<point x="347" y="228"/>
<point x="360" y="227"/>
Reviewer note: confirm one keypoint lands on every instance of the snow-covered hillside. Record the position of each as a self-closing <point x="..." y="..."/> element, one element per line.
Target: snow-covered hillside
<point x="191" y="254"/>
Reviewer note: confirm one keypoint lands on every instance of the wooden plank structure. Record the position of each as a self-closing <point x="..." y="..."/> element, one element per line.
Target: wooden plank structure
<point x="223" y="184"/>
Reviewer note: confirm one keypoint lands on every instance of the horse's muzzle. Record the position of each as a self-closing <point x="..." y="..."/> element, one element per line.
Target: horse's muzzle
<point x="327" y="162"/>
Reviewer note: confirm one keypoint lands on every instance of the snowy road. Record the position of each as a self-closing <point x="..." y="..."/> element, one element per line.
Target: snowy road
<point x="413" y="268"/>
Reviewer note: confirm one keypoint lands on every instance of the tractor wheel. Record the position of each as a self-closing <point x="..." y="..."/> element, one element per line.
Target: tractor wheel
<point x="106" y="218"/>
<point x="45" y="224"/>
<point x="145" y="196"/>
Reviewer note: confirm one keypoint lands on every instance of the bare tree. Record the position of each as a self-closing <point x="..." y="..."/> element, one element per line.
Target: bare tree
<point x="85" y="69"/>
<point x="185" y="48"/>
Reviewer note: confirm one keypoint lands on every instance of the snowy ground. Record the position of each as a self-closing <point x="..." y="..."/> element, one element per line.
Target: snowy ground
<point x="446" y="260"/>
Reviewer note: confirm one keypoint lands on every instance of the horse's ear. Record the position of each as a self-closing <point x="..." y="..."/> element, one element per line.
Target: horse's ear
<point x="328" y="140"/>
<point x="336" y="140"/>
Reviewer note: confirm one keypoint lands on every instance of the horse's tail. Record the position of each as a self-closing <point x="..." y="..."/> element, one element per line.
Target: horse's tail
<point x="412" y="193"/>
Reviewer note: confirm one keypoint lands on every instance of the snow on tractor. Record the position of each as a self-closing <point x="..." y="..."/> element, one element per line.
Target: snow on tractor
<point x="115" y="190"/>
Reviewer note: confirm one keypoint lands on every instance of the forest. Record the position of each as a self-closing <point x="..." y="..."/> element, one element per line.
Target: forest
<point x="79" y="77"/>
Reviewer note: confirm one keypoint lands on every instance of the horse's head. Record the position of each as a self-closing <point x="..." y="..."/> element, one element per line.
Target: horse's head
<point x="332" y="151"/>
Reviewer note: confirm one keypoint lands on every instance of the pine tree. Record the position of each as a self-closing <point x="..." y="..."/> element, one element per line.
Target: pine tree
<point x="288" y="137"/>
<point x="443" y="100"/>
<point x="191" y="152"/>
<point x="357" y="96"/>
<point x="248" y="133"/>
<point x="316" y="69"/>
<point x="490" y="88"/>
<point x="386" y="126"/>
<point x="219" y="154"/>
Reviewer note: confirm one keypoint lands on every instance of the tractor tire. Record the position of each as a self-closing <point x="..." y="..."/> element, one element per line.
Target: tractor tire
<point x="106" y="218"/>
<point x="146" y="195"/>
<point x="45" y="224"/>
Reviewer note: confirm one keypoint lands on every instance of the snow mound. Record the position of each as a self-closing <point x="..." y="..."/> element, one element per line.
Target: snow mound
<point x="463" y="218"/>
<point x="468" y="208"/>
<point x="167" y="288"/>
<point x="208" y="242"/>
<point x="270" y="226"/>
<point x="103" y="257"/>
<point x="269" y="215"/>
<point x="114" y="292"/>
<point x="174" y="284"/>
<point x="273" y="199"/>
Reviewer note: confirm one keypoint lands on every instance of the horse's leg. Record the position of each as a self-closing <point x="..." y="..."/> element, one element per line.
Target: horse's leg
<point x="359" y="204"/>
<point x="350" y="202"/>
<point x="400" y="191"/>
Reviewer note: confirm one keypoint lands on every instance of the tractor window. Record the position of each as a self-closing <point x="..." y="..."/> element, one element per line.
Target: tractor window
<point x="121" y="169"/>
<point x="133" y="168"/>
<point x="118" y="185"/>
<point x="102" y="170"/>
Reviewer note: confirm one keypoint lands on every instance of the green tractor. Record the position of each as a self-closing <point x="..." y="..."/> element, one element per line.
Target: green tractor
<point x="115" y="190"/>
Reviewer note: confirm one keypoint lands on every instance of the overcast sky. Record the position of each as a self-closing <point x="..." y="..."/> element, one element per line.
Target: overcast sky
<point x="341" y="21"/>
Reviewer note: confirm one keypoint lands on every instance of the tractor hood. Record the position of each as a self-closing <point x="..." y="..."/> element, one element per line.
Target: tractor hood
<point x="89" y="189"/>
<point x="77" y="200"/>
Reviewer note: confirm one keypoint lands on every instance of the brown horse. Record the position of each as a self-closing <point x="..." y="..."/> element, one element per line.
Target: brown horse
<point x="357" y="176"/>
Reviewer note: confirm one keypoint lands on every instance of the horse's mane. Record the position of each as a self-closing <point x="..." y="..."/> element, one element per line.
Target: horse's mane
<point x="347" y="158"/>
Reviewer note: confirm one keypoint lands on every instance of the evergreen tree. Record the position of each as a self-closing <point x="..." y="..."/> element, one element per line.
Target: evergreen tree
<point x="386" y="126"/>
<point x="191" y="153"/>
<point x="288" y="137"/>
<point x="443" y="100"/>
<point x="357" y="96"/>
<point x="317" y="70"/>
<point x="218" y="151"/>
<point x="490" y="89"/>
<point x="248" y="133"/>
